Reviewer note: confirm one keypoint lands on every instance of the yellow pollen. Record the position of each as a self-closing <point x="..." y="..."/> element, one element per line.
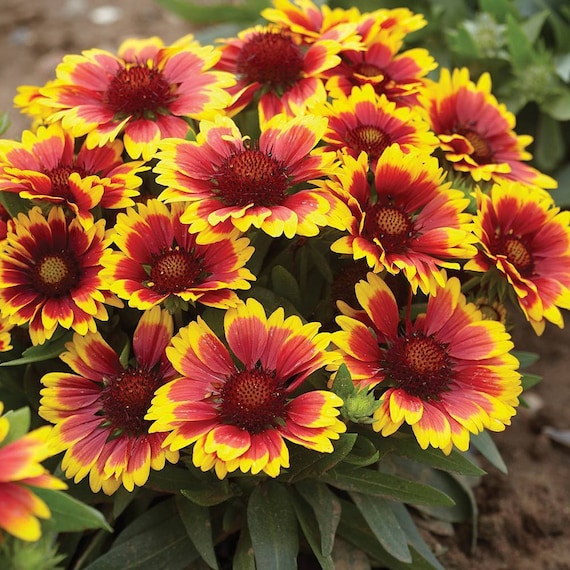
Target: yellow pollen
<point x="517" y="253"/>
<point x="424" y="356"/>
<point x="53" y="270"/>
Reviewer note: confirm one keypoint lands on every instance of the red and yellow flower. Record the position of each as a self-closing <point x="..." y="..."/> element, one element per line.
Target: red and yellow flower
<point x="409" y="220"/>
<point x="447" y="374"/>
<point x="230" y="182"/>
<point x="145" y="93"/>
<point x="20" y="472"/>
<point x="526" y="238"/>
<point x="311" y="22"/>
<point x="159" y="260"/>
<point x="398" y="75"/>
<point x="275" y="71"/>
<point x="98" y="410"/>
<point x="476" y="132"/>
<point x="239" y="407"/>
<point x="49" y="274"/>
<point x="366" y="121"/>
<point x="45" y="166"/>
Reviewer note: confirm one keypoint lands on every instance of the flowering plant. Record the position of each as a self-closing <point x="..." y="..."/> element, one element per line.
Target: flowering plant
<point x="260" y="295"/>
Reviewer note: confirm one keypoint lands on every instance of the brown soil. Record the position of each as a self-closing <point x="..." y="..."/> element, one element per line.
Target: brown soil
<point x="524" y="519"/>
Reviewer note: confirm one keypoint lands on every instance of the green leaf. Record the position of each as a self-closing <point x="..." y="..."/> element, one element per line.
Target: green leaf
<point x="207" y="493"/>
<point x="530" y="380"/>
<point x="309" y="526"/>
<point x="354" y="528"/>
<point x="500" y="9"/>
<point x="41" y="352"/>
<point x="487" y="448"/>
<point x="558" y="106"/>
<point x="170" y="479"/>
<point x="244" y="557"/>
<point x="520" y="48"/>
<point x="4" y="123"/>
<point x="157" y="542"/>
<point x="70" y="515"/>
<point x="198" y="525"/>
<point x="363" y="453"/>
<point x="415" y="539"/>
<point x="384" y="525"/>
<point x="533" y="25"/>
<point x="342" y="447"/>
<point x="326" y="508"/>
<point x="562" y="194"/>
<point x="286" y="285"/>
<point x="407" y="446"/>
<point x="14" y="204"/>
<point x="19" y="424"/>
<point x="549" y="143"/>
<point x="321" y="263"/>
<point x="379" y="484"/>
<point x="525" y="359"/>
<point x="202" y="13"/>
<point x="343" y="386"/>
<point x="273" y="527"/>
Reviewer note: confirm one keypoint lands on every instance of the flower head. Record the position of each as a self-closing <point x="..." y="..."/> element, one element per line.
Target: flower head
<point x="98" y="410"/>
<point x="231" y="182"/>
<point x="366" y="121"/>
<point x="20" y="472"/>
<point x="145" y="93"/>
<point x="159" y="260"/>
<point x="397" y="74"/>
<point x="275" y="65"/>
<point x="408" y="220"/>
<point x="45" y="166"/>
<point x="476" y="131"/>
<point x="447" y="374"/>
<point x="238" y="407"/>
<point x="527" y="240"/>
<point x="49" y="274"/>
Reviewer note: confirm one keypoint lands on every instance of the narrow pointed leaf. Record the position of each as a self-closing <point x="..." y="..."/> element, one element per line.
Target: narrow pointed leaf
<point x="273" y="527"/>
<point x="326" y="508"/>
<point x="486" y="446"/>
<point x="377" y="484"/>
<point x="384" y="525"/>
<point x="196" y="520"/>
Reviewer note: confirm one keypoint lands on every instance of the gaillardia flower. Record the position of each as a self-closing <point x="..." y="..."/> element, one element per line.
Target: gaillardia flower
<point x="98" y="410"/>
<point x="231" y="182"/>
<point x="447" y="374"/>
<point x="238" y="407"/>
<point x="526" y="238"/>
<point x="20" y="472"/>
<point x="147" y="92"/>
<point x="49" y="274"/>
<point x="366" y="121"/>
<point x="476" y="131"/>
<point x="408" y="220"/>
<point x="45" y="166"/>
<point x="398" y="75"/>
<point x="313" y="22"/>
<point x="158" y="260"/>
<point x="276" y="65"/>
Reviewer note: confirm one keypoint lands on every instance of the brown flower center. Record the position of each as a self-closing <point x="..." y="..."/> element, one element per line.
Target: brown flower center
<point x="419" y="365"/>
<point x="59" y="177"/>
<point x="388" y="224"/>
<point x="56" y="274"/>
<point x="138" y="91"/>
<point x="251" y="177"/>
<point x="368" y="138"/>
<point x="482" y="151"/>
<point x="252" y="400"/>
<point x="126" y="399"/>
<point x="270" y="58"/>
<point x="174" y="271"/>
<point x="517" y="252"/>
<point x="367" y="69"/>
